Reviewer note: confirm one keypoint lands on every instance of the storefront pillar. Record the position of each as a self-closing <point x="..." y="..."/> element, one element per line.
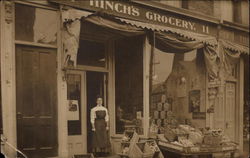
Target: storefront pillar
<point x="240" y="109"/>
<point x="62" y="99"/>
<point x="8" y="82"/>
<point x="146" y="82"/>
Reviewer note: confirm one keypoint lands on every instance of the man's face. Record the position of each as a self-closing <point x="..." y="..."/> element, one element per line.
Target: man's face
<point x="99" y="101"/>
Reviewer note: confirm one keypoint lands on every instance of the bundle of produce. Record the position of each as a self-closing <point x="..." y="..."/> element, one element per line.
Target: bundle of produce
<point x="195" y="137"/>
<point x="186" y="128"/>
<point x="170" y="134"/>
<point x="185" y="142"/>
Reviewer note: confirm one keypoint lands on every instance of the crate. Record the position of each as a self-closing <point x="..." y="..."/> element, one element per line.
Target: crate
<point x="212" y="140"/>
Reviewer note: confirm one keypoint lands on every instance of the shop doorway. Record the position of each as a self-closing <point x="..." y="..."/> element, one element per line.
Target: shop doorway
<point x="82" y="87"/>
<point x="36" y="101"/>
<point x="96" y="85"/>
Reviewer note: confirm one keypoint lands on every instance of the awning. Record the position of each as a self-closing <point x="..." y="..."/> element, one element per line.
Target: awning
<point x="187" y="34"/>
<point x="166" y="38"/>
<point x="234" y="47"/>
<point x="74" y="14"/>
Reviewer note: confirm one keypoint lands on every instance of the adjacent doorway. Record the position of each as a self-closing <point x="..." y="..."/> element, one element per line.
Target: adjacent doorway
<point x="36" y="101"/>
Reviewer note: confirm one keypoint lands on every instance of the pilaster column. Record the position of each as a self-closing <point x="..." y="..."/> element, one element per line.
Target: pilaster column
<point x="8" y="82"/>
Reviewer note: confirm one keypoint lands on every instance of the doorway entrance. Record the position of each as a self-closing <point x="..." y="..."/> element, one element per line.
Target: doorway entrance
<point x="83" y="87"/>
<point x="36" y="97"/>
<point x="95" y="86"/>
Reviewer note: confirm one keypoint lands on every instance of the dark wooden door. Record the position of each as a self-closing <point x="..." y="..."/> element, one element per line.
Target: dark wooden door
<point x="36" y="101"/>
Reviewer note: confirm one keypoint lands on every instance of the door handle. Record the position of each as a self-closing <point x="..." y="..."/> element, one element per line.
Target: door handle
<point x="19" y="115"/>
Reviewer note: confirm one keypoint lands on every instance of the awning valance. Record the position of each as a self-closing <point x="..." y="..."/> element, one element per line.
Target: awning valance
<point x="234" y="47"/>
<point x="187" y="34"/>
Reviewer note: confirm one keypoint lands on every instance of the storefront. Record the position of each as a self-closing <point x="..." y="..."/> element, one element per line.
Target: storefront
<point x="150" y="65"/>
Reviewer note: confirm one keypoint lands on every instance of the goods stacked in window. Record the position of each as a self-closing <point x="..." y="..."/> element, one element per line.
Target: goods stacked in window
<point x="162" y="115"/>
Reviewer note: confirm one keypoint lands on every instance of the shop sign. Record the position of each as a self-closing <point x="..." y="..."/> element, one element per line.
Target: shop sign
<point x="144" y="14"/>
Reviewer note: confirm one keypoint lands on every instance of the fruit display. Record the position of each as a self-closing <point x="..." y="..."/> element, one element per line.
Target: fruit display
<point x="188" y="139"/>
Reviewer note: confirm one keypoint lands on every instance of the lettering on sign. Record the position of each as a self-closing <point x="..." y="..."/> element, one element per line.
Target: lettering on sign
<point x="123" y="8"/>
<point x="134" y="11"/>
<point x="115" y="6"/>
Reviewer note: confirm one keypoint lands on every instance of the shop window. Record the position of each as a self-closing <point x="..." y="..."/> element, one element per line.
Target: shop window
<point x="91" y="53"/>
<point x="129" y="85"/>
<point x="177" y="93"/>
<point x="74" y="104"/>
<point x="35" y="24"/>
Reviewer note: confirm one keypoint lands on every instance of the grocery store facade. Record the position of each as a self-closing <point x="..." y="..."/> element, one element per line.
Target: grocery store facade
<point x="56" y="56"/>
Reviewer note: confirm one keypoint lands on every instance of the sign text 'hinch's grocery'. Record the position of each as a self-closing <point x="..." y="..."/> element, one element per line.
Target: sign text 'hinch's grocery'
<point x="131" y="10"/>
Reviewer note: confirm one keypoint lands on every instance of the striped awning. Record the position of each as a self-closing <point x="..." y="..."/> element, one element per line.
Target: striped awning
<point x="234" y="46"/>
<point x="187" y="34"/>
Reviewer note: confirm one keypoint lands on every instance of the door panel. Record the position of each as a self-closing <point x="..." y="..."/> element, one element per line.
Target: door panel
<point x="77" y="128"/>
<point x="230" y="109"/>
<point x="36" y="101"/>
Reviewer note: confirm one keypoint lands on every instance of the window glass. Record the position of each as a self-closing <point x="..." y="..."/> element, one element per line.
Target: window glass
<point x="129" y="85"/>
<point x="91" y="53"/>
<point x="35" y="24"/>
<point x="74" y="104"/>
<point x="178" y="81"/>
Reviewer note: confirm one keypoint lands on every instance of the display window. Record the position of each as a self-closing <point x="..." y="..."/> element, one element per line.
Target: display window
<point x="35" y="24"/>
<point x="91" y="53"/>
<point x="177" y="94"/>
<point x="129" y="85"/>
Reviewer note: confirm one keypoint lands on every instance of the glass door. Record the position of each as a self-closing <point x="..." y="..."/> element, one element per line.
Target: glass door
<point x="76" y="112"/>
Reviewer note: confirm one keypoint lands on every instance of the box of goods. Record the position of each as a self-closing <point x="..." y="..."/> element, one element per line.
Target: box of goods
<point x="166" y="106"/>
<point x="140" y="151"/>
<point x="158" y="122"/>
<point x="163" y="114"/>
<point x="156" y="114"/>
<point x="159" y="106"/>
<point x="212" y="140"/>
<point x="213" y="137"/>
